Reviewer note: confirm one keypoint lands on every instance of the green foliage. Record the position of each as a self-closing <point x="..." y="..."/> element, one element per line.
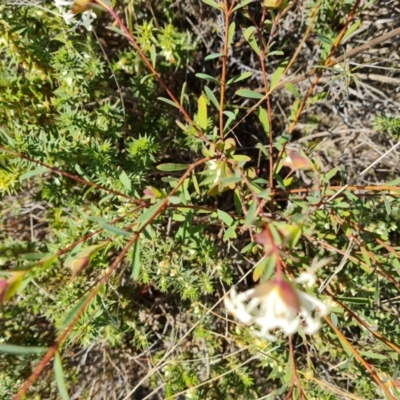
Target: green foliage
<point x="132" y="196"/>
<point x="389" y="124"/>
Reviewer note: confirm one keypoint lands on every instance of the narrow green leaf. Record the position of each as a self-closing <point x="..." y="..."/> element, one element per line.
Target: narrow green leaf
<point x="230" y="233"/>
<point x="183" y="93"/>
<point x="212" y="56"/>
<point x="278" y="73"/>
<point x="231" y="33"/>
<point x="153" y="55"/>
<point x="230" y="114"/>
<point x="249" y="36"/>
<point x="251" y="94"/>
<point x="170" y="167"/>
<point x="330" y="174"/>
<point x="202" y="112"/>
<point x="355" y="300"/>
<point x="260" y="146"/>
<point x="75" y="311"/>
<point x="232" y="179"/>
<point x="117" y="30"/>
<point x="242" y="4"/>
<point x="263" y="117"/>
<point x="106" y="198"/>
<point x="14" y="349"/>
<point x="212" y="97"/>
<point x="30" y="174"/>
<point x="239" y="78"/>
<point x="196" y="183"/>
<point x="212" y="3"/>
<point x="136" y="261"/>
<point x="275" y="53"/>
<point x="231" y="117"/>
<point x="124" y="178"/>
<point x="225" y="217"/>
<point x="396" y="264"/>
<point x="207" y="77"/>
<point x="388" y="208"/>
<point x="280" y="182"/>
<point x="113" y="229"/>
<point x="144" y="218"/>
<point x="59" y="373"/>
<point x="174" y="199"/>
<point x="168" y="101"/>
<point x="377" y="293"/>
<point x="293" y="89"/>
<point x="395" y="182"/>
<point x="250" y="214"/>
<point x="366" y="256"/>
<point x="325" y="39"/>
<point x="372" y="355"/>
<point x="259" y="268"/>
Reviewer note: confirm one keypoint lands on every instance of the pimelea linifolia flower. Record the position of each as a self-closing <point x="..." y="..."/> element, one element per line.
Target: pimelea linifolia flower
<point x="277" y="304"/>
<point x="87" y="16"/>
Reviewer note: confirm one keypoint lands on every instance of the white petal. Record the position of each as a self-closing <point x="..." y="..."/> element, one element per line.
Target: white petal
<point x="63" y="3"/>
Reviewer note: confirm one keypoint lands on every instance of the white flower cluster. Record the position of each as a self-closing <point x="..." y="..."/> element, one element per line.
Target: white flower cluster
<point x="277" y="304"/>
<point x="87" y="17"/>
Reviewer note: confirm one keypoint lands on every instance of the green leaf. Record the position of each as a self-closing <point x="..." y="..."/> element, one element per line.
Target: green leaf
<point x="231" y="33"/>
<point x="153" y="55"/>
<point x="260" y="146"/>
<point x="372" y="355"/>
<point x="278" y="73"/>
<point x="249" y="36"/>
<point x="355" y="300"/>
<point x="170" y="167"/>
<point x="325" y="39"/>
<point x="168" y="101"/>
<point x="279" y="181"/>
<point x="250" y="94"/>
<point x="242" y="4"/>
<point x="123" y="177"/>
<point x="275" y="53"/>
<point x="351" y="29"/>
<point x="117" y="30"/>
<point x="106" y="198"/>
<point x="202" y="112"/>
<point x="330" y="174"/>
<point x="207" y="77"/>
<point x="395" y="182"/>
<point x="388" y="208"/>
<point x="212" y="3"/>
<point x="212" y="56"/>
<point x="230" y="179"/>
<point x="250" y="214"/>
<point x="212" y="97"/>
<point x="259" y="268"/>
<point x="59" y="373"/>
<point x="231" y="117"/>
<point x="136" y="261"/>
<point x="183" y="93"/>
<point x="113" y="229"/>
<point x="14" y="349"/>
<point x="30" y="174"/>
<point x="230" y="233"/>
<point x="225" y="217"/>
<point x="239" y="78"/>
<point x="75" y="311"/>
<point x="293" y="89"/>
<point x="263" y="117"/>
<point x="144" y="218"/>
